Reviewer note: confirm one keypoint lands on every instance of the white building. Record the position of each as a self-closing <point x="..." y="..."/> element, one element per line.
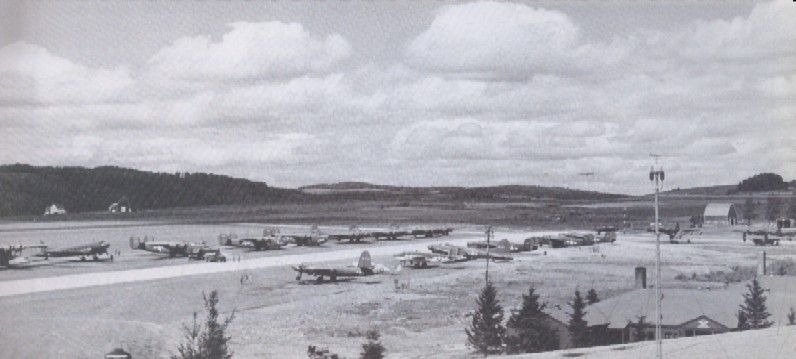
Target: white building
<point x="54" y="208"/>
<point x="119" y="208"/>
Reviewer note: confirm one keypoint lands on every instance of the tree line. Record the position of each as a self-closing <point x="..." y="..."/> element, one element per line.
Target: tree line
<point x="26" y="190"/>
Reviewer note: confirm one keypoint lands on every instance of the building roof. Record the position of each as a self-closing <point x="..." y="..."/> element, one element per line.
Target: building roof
<point x="678" y="306"/>
<point x="718" y="209"/>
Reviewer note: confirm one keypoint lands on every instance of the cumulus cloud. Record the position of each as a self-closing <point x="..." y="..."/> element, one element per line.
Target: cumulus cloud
<point x="487" y="93"/>
<point x="491" y="39"/>
<point x="266" y="50"/>
<point x="31" y="75"/>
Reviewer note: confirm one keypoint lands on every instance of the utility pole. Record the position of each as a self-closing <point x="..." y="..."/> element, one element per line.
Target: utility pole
<point x="657" y="177"/>
<point x="488" y="237"/>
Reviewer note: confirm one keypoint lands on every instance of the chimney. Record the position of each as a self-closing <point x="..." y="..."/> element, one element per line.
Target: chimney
<point x="641" y="277"/>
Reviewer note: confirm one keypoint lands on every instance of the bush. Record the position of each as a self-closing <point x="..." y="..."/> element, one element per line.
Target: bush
<point x="373" y="348"/>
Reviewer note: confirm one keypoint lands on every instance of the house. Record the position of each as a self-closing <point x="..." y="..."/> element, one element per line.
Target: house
<point x="54" y="208"/>
<point x="685" y="313"/>
<point x="722" y="213"/>
<point x="123" y="206"/>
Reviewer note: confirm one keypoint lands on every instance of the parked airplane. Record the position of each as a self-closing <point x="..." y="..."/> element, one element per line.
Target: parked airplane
<point x="92" y="250"/>
<point x="354" y="235"/>
<point x="763" y="237"/>
<point x="315" y="238"/>
<point x="390" y="235"/>
<point x="578" y="239"/>
<point x="671" y="232"/>
<point x="428" y="233"/>
<point x="269" y="241"/>
<point x="364" y="268"/>
<point x="424" y="259"/>
<point x="14" y="256"/>
<point x="606" y="234"/>
<point x="469" y="253"/>
<point x="685" y="234"/>
<point x="505" y="246"/>
<point x="173" y="249"/>
<point x="307" y="241"/>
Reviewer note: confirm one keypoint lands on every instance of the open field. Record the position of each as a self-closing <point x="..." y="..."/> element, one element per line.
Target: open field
<point x="278" y="317"/>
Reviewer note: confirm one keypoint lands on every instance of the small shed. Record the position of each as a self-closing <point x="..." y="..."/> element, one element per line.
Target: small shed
<point x="722" y="213"/>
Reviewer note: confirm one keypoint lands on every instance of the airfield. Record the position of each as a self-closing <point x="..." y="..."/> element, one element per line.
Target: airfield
<point x="140" y="300"/>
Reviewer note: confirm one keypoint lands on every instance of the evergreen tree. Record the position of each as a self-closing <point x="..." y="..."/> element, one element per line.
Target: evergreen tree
<point x="754" y="306"/>
<point x="591" y="297"/>
<point x="373" y="348"/>
<point x="206" y="341"/>
<point x="792" y="317"/>
<point x="773" y="208"/>
<point x="578" y="328"/>
<point x="743" y="323"/>
<point x="749" y="209"/>
<point x="529" y="331"/>
<point x="792" y="208"/>
<point x="639" y="332"/>
<point x="486" y="332"/>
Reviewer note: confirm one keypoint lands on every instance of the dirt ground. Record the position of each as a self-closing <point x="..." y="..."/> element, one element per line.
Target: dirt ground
<point x="420" y="313"/>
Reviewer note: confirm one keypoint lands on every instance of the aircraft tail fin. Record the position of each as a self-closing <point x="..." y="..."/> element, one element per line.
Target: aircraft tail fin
<point x="364" y="261"/>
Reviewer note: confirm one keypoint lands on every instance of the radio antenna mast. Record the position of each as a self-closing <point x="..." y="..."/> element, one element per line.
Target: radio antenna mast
<point x="656" y="177"/>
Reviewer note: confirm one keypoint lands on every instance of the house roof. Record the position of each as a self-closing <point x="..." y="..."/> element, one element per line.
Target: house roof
<point x="718" y="209"/>
<point x="678" y="306"/>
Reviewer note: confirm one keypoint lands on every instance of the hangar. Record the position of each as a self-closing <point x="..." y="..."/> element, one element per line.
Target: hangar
<point x="722" y="213"/>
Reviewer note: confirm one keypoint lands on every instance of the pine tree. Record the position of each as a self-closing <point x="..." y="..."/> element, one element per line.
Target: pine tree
<point x="208" y="341"/>
<point x="578" y="328"/>
<point x="373" y="348"/>
<point x="792" y="208"/>
<point x="486" y="332"/>
<point x="529" y="330"/>
<point x="749" y="209"/>
<point x="743" y="323"/>
<point x="639" y="333"/>
<point x="754" y="306"/>
<point x="591" y="297"/>
<point x="773" y="208"/>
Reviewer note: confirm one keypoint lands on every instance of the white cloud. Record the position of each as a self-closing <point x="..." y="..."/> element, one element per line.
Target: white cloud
<point x="491" y="39"/>
<point x="31" y="75"/>
<point x="489" y="93"/>
<point x="251" y="51"/>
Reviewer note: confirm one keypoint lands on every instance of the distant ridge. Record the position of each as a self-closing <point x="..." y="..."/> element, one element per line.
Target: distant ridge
<point x="26" y="190"/>
<point x="502" y="193"/>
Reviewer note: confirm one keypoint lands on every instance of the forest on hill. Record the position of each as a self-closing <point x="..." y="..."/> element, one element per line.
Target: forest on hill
<point x="27" y="190"/>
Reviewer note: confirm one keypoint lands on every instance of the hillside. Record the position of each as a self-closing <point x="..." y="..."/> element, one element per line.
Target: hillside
<point x="507" y="193"/>
<point x="26" y="190"/>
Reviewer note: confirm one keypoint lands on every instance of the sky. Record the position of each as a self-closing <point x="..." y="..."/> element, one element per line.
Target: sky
<point x="405" y="93"/>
